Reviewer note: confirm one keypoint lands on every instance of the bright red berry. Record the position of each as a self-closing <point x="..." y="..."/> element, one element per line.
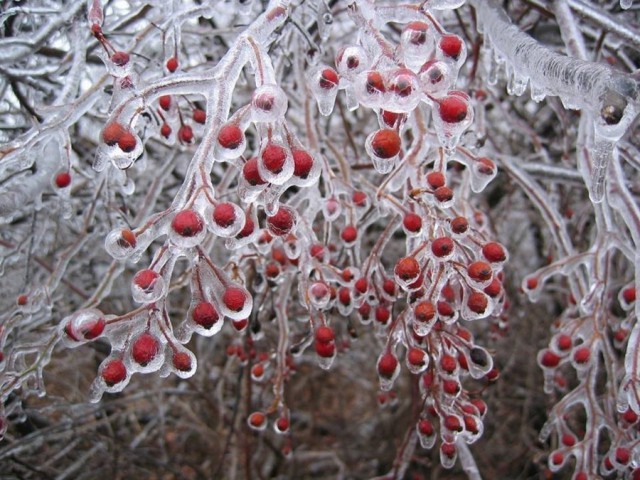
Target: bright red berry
<point x="453" y="109"/>
<point x="145" y="279"/>
<point x="425" y="427"/>
<point x="274" y="157"/>
<point x="234" y="298"/>
<point x="230" y="136"/>
<point x="443" y="194"/>
<point x="185" y="133"/>
<point x="582" y="355"/>
<point x="282" y="222"/>
<point x="325" y="349"/>
<point x="349" y="234"/>
<point x="386" y="143"/>
<point x="424" y="311"/>
<point x="251" y="174"/>
<point x="387" y="365"/>
<point x="549" y="359"/>
<point x="451" y="45"/>
<point x="127" y="239"/>
<point x="375" y="83"/>
<point x="199" y="116"/>
<point x="324" y="334"/>
<point x="328" y="79"/>
<point x="452" y="422"/>
<point x="114" y="372"/>
<point x="165" y="130"/>
<point x="382" y="314"/>
<point x="359" y="198"/>
<point x="302" y="163"/>
<point x="63" y="180"/>
<point x="205" y="314"/>
<point x="448" y="363"/>
<point x="165" y="102"/>
<point x="623" y="455"/>
<point x="416" y="356"/>
<point x="145" y="348"/>
<point x="257" y="419"/>
<point x="224" y="214"/>
<point x="629" y="294"/>
<point x="564" y="342"/>
<point x="172" y="64"/>
<point x="187" y="223"/>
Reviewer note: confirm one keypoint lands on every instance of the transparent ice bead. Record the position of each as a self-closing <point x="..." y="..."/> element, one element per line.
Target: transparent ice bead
<point x="404" y="91"/>
<point x="325" y="96"/>
<point x="236" y="314"/>
<point x="81" y="327"/>
<point x="351" y="60"/>
<point x="319" y="295"/>
<point x="436" y="78"/>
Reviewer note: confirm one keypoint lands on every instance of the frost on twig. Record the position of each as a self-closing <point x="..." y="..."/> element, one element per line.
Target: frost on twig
<point x="612" y="98"/>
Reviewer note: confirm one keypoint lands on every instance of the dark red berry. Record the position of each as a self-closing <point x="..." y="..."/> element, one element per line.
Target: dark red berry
<point x="230" y="136"/>
<point x="274" y="157"/>
<point x="172" y="64"/>
<point x="120" y="58"/>
<point x="480" y="271"/>
<point x="224" y="214"/>
<point x="234" y="298"/>
<point x="282" y="222"/>
<point x="387" y="365"/>
<point x="181" y="361"/>
<point x="453" y="109"/>
<point x="412" y="222"/>
<point x="165" y="102"/>
<point x="349" y="234"/>
<point x="251" y="174"/>
<point x="302" y="162"/>
<point x="451" y="45"/>
<point x="185" y="134"/>
<point x="145" y="348"/>
<point x="127" y="142"/>
<point x="436" y="179"/>
<point x="328" y="79"/>
<point x="199" y="116"/>
<point x="114" y="372"/>
<point x="63" y="180"/>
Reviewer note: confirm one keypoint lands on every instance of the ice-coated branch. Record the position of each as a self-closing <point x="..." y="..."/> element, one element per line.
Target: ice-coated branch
<point x="580" y="84"/>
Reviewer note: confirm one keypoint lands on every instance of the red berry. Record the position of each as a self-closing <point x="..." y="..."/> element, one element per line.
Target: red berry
<point x="425" y="427"/>
<point x="172" y="64"/>
<point x="629" y="294"/>
<point x="359" y="198"/>
<point x="393" y="119"/>
<point x="477" y="302"/>
<point x="205" y="314"/>
<point x="564" y="342"/>
<point x="127" y="239"/>
<point x="361" y="286"/>
<point x="568" y="440"/>
<point x="230" y="136"/>
<point x="317" y="251"/>
<point x="302" y="163"/>
<point x="127" y="142"/>
<point x="412" y="222"/>
<point x="459" y="225"/>
<point x="375" y="83"/>
<point x="199" y="116"/>
<point x="452" y="422"/>
<point x="417" y="32"/>
<point x="145" y="279"/>
<point x="450" y="386"/>
<point x="224" y="214"/>
<point x="324" y="334"/>
<point x="407" y="268"/>
<point x="274" y="157"/>
<point x="630" y="416"/>
<point x="442" y="247"/>
<point x="486" y="166"/>
<point x="549" y="359"/>
<point x="165" y="102"/>
<point x="557" y="458"/>
<point x="451" y="45"/>
<point x="387" y="365"/>
<point x="325" y="349"/>
<point x="257" y="419"/>
<point x="445" y="309"/>
<point x="185" y="133"/>
<point x="344" y="296"/>
<point x="187" y="223"/>
<point x="234" y="298"/>
<point x="181" y="361"/>
<point x="582" y="355"/>
<point x="282" y="424"/>
<point x="453" y="109"/>
<point x="494" y="252"/>
<point x="416" y="356"/>
<point x="328" y="79"/>
<point x="114" y="372"/>
<point x="282" y="222"/>
<point x="248" y="228"/>
<point x="436" y="179"/>
<point x="165" y="130"/>
<point x="120" y="58"/>
<point x="63" y="180"/>
<point x="443" y="194"/>
<point x="349" y="234"/>
<point x="145" y="348"/>
<point x="382" y="314"/>
<point x="112" y="133"/>
<point x="389" y="287"/>
<point x="251" y="174"/>
<point x="494" y="288"/>
<point x="403" y="83"/>
<point x="623" y="455"/>
<point x="448" y="363"/>
<point x="240" y="325"/>
<point x="532" y="283"/>
<point x="22" y="300"/>
<point x="386" y="143"/>
<point x="480" y="271"/>
<point x="424" y="311"/>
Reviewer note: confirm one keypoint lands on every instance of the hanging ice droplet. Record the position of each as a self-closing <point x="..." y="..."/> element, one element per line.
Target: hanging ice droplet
<point x="268" y="104"/>
<point x="601" y="153"/>
<point x="147" y="286"/>
<point x="626" y="4"/>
